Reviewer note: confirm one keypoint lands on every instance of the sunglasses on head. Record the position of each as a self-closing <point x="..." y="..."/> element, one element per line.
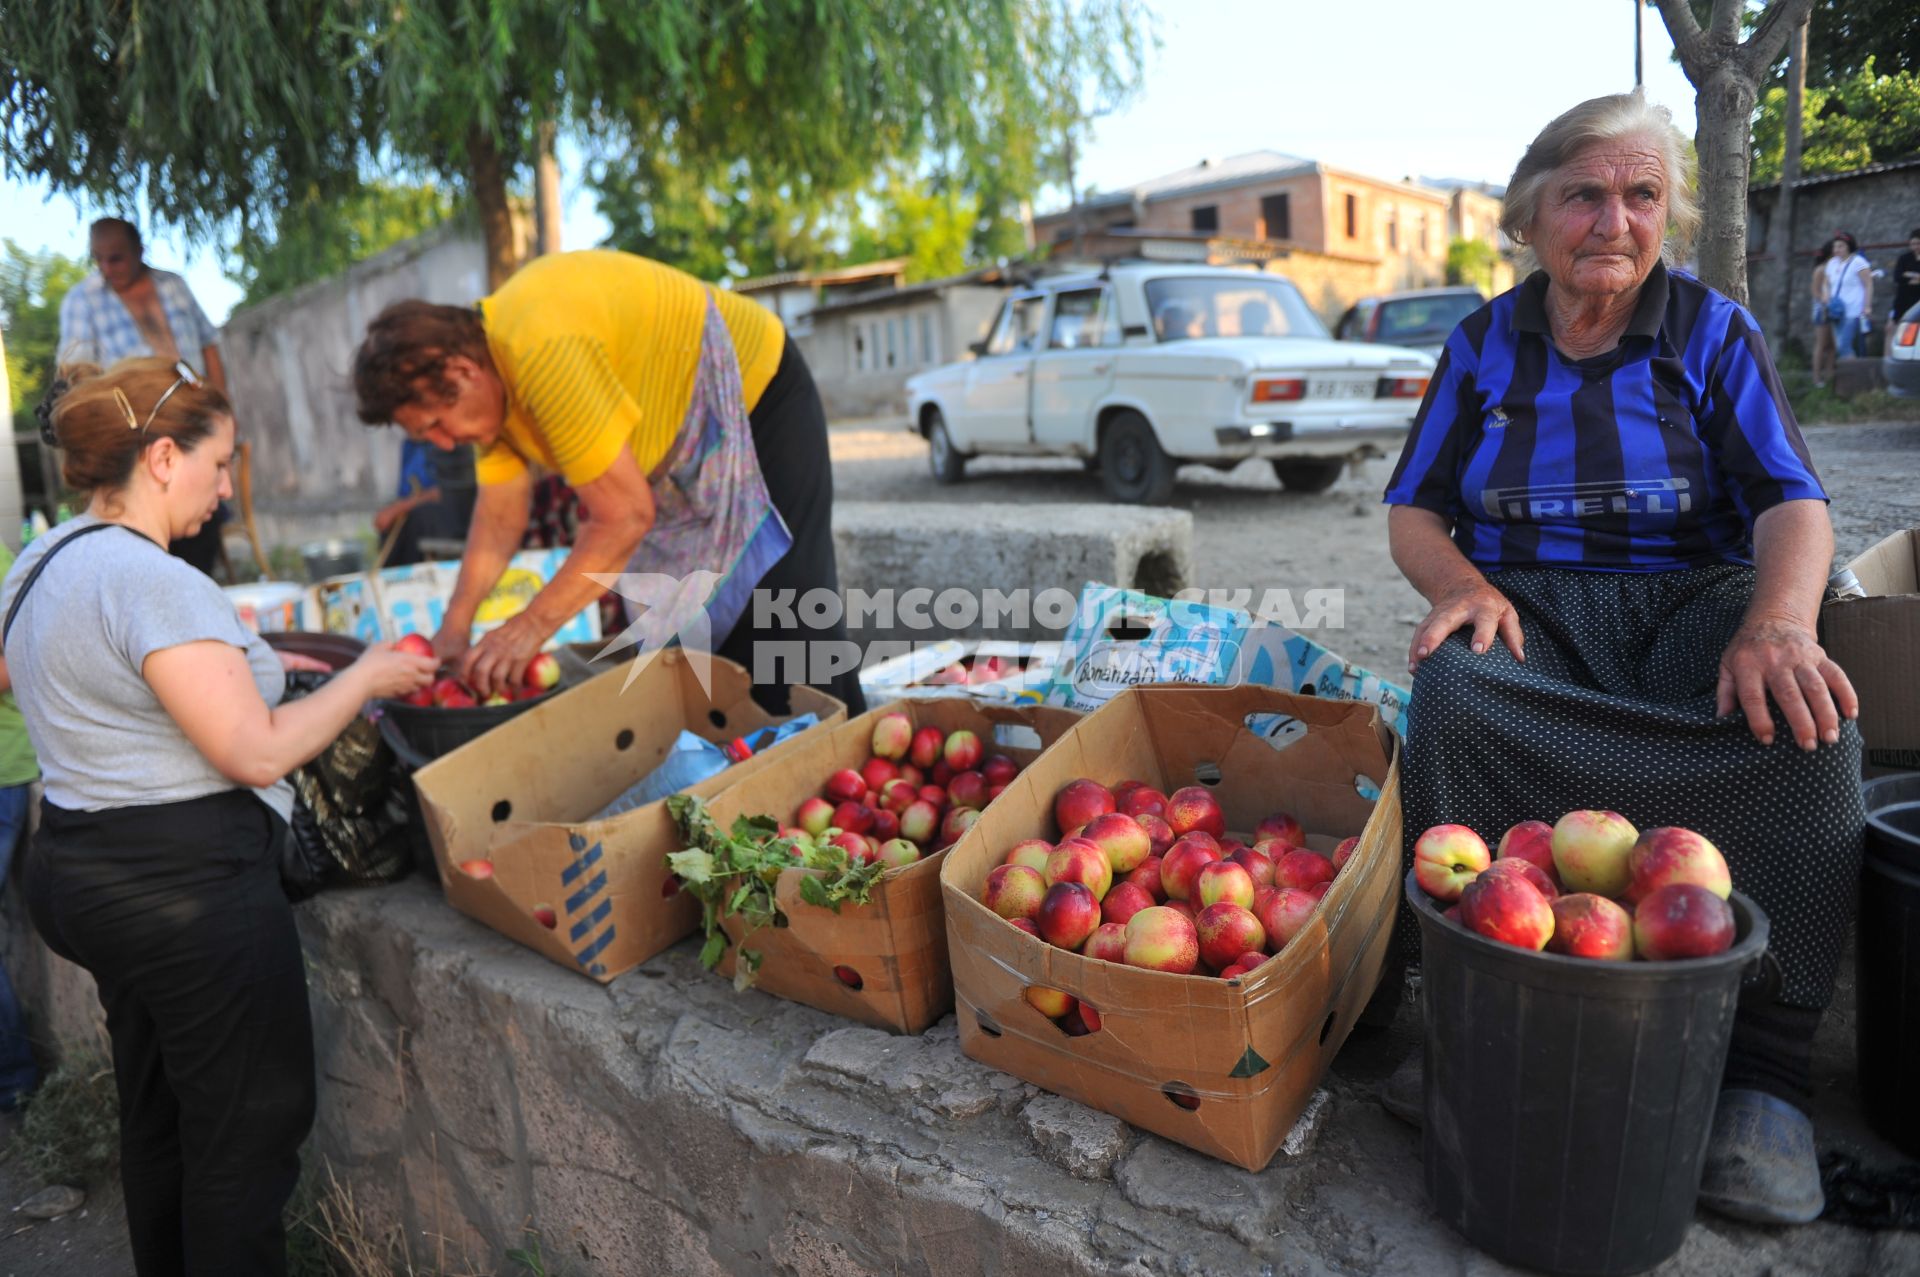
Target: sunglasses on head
<point x="183" y="376"/>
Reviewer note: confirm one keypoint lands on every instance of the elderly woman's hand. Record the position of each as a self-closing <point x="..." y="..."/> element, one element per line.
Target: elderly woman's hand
<point x="1472" y="603"/>
<point x="497" y="661"/>
<point x="1779" y="657"/>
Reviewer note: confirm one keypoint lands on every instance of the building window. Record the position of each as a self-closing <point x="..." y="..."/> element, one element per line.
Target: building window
<point x="1277" y="216"/>
<point x="1206" y="217"/>
<point x="927" y="353"/>
<point x="1353" y="217"/>
<point x="1423" y="233"/>
<point x="1393" y="230"/>
<point x="893" y="341"/>
<point x="859" y="348"/>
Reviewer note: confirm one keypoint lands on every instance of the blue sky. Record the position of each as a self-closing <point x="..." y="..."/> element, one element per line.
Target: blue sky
<point x="1391" y="87"/>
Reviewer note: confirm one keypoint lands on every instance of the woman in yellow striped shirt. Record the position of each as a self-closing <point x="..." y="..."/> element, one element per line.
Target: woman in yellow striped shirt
<point x="686" y="422"/>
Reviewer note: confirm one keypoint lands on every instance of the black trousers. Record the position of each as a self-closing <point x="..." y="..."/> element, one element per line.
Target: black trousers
<point x="1614" y="708"/>
<point x="790" y="438"/>
<point x="176" y="910"/>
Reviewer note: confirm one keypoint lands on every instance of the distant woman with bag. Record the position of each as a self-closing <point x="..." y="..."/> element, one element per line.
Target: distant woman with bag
<point x="156" y="866"/>
<point x="1843" y="295"/>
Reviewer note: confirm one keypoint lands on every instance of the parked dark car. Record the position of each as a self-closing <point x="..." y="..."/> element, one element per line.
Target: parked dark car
<point x="1420" y="318"/>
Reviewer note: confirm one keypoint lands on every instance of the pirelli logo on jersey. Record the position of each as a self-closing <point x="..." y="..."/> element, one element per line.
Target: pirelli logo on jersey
<point x="1537" y="502"/>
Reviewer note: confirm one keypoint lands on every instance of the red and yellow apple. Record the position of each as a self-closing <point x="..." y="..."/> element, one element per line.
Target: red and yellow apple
<point x="1590" y="851"/>
<point x="1225" y="931"/>
<point x="1195" y="808"/>
<point x="1122" y="839"/>
<point x="1506" y="907"/>
<point x="1078" y="802"/>
<point x="1183" y="862"/>
<point x="1068" y="914"/>
<point x="1162" y="939"/>
<point x="1684" y="920"/>
<point x="1590" y="926"/>
<point x="1446" y="858"/>
<point x="1662" y="857"/>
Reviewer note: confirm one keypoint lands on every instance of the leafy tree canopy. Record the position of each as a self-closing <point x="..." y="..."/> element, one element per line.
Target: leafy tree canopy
<point x="317" y="238"/>
<point x="1865" y="117"/>
<point x="240" y="110"/>
<point x="31" y="286"/>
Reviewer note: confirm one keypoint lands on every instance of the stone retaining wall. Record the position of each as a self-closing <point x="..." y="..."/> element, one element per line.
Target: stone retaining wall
<point x="475" y="1097"/>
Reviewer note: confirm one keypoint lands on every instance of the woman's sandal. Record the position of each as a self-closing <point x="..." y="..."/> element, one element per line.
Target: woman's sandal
<point x="1761" y="1165"/>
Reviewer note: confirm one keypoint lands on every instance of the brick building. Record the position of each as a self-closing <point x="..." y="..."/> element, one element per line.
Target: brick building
<point x="1349" y="234"/>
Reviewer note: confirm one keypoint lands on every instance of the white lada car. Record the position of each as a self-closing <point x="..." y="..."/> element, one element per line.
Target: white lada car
<point x="1145" y="367"/>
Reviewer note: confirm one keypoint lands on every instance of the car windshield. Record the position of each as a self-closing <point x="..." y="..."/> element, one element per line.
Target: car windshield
<point x="1185" y="307"/>
<point x="1423" y="320"/>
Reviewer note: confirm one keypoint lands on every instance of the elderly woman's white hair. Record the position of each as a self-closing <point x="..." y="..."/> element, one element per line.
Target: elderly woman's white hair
<point x="1608" y="119"/>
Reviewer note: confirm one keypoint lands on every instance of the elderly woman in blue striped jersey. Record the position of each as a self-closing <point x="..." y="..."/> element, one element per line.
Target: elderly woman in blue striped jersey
<point x="1608" y="504"/>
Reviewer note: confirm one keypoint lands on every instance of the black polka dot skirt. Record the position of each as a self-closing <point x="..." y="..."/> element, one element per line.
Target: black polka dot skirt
<point x="1614" y="709"/>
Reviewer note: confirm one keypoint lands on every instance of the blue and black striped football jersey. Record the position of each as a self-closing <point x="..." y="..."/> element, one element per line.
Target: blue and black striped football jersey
<point x="1659" y="454"/>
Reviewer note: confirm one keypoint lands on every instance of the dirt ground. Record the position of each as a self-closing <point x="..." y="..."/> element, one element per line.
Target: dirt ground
<point x="1248" y="534"/>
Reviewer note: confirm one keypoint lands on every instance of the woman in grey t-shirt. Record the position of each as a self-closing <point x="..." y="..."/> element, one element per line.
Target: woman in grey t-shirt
<point x="164" y="753"/>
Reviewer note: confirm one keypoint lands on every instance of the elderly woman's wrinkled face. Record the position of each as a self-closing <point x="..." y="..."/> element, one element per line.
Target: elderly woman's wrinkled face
<point x="1602" y="218"/>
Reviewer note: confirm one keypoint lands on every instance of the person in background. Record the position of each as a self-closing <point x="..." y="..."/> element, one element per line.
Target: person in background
<point x="1823" y="334"/>
<point x="435" y="500"/>
<point x="18" y="771"/>
<point x="1906" y="283"/>
<point x="128" y="308"/>
<point x="684" y="421"/>
<point x="164" y="752"/>
<point x="1846" y="289"/>
<point x="1609" y="506"/>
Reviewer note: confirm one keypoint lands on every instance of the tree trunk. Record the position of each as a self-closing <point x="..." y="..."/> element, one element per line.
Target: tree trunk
<point x="1725" y="106"/>
<point x="546" y="189"/>
<point x="1724" y="71"/>
<point x="1782" y="236"/>
<point x="487" y="174"/>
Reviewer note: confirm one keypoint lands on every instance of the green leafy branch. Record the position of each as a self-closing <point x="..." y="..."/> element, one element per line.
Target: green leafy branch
<point x="732" y="873"/>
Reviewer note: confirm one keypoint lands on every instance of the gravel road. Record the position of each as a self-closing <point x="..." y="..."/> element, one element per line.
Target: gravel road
<point x="1248" y="534"/>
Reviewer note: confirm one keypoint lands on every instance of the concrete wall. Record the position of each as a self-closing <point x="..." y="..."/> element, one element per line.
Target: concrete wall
<point x="847" y="349"/>
<point x="317" y="471"/>
<point x="1877" y="208"/>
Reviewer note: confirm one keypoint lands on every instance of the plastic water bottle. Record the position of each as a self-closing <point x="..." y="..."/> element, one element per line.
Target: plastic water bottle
<point x="39" y="522"/>
<point x="61" y="513"/>
<point x="26" y="533"/>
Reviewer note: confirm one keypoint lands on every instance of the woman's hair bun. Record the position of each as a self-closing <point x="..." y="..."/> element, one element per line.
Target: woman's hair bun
<point x="64" y="379"/>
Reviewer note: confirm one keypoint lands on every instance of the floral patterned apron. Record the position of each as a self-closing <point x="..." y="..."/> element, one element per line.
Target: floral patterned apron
<point x="715" y="531"/>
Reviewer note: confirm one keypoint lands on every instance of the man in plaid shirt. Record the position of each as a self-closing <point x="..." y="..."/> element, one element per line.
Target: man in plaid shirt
<point x="127" y="308"/>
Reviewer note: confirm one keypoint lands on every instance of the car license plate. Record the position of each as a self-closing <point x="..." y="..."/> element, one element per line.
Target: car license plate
<point x="1341" y="387"/>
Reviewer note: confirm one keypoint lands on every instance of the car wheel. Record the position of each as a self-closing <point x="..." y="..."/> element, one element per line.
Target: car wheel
<point x="943" y="458"/>
<point x="1133" y="466"/>
<point x="1308" y="474"/>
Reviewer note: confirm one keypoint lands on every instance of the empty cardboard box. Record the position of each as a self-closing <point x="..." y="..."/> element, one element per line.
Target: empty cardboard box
<point x="1222" y="1066"/>
<point x="522" y="797"/>
<point x="1876" y="640"/>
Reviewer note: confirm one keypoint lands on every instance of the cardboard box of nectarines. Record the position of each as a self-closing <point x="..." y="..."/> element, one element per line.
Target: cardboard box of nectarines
<point x="593" y="895"/>
<point x="1223" y="1063"/>
<point x="884" y="962"/>
<point x="1876" y="640"/>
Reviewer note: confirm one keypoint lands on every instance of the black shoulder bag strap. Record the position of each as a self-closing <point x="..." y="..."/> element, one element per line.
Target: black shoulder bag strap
<point x="20" y="596"/>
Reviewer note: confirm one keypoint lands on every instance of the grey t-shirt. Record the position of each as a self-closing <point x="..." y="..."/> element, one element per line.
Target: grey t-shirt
<point x="100" y="609"/>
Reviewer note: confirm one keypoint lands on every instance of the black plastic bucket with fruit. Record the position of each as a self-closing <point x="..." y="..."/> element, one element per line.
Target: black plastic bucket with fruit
<point x="1888" y="992"/>
<point x="1568" y="1101"/>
